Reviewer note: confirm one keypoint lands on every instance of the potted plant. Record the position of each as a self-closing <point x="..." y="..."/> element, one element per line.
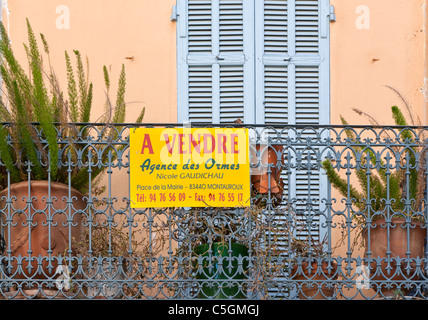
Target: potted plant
<point x="267" y="161"/>
<point x="231" y="252"/>
<point x="208" y="243"/>
<point x="111" y="253"/>
<point x="47" y="166"/>
<point x="390" y="226"/>
<point x="311" y="269"/>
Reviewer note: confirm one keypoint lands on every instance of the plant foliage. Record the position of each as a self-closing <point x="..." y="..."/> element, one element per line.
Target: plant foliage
<point x="398" y="184"/>
<point x="38" y="116"/>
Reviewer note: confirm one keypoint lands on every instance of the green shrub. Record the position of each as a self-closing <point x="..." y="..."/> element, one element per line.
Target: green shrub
<point x="380" y="183"/>
<point x="37" y="115"/>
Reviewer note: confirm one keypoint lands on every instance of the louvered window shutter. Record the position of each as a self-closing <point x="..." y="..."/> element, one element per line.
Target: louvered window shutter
<point x="263" y="61"/>
<point x="292" y="64"/>
<point x="292" y="88"/>
<point x="215" y="61"/>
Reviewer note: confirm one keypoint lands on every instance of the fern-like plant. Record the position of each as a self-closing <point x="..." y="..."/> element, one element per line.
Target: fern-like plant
<point x="400" y="186"/>
<point x="38" y="117"/>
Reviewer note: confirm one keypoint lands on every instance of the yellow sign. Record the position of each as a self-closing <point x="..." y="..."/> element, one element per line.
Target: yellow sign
<point x="189" y="167"/>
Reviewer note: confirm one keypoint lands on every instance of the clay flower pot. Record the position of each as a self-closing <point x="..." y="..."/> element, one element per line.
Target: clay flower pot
<point x="40" y="224"/>
<point x="260" y="178"/>
<point x="312" y="280"/>
<point x="398" y="235"/>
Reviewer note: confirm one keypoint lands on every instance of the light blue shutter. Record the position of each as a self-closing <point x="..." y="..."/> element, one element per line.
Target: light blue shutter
<point x="195" y="82"/>
<point x="215" y="61"/>
<point x="292" y="62"/>
<point x="263" y="61"/>
<point x="312" y="104"/>
<point x="292" y="88"/>
<point x="266" y="62"/>
<point x="272" y="72"/>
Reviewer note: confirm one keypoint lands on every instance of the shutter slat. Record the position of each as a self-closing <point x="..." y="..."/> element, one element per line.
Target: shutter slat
<point x="275" y="26"/>
<point x="307" y="27"/>
<point x="200" y="94"/>
<point x="231" y="93"/>
<point x="275" y="94"/>
<point x="231" y="43"/>
<point x="199" y="26"/>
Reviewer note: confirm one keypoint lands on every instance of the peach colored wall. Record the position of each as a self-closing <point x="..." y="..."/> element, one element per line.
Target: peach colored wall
<point x="425" y="89"/>
<point x="363" y="61"/>
<point x="108" y="31"/>
<point x="391" y="52"/>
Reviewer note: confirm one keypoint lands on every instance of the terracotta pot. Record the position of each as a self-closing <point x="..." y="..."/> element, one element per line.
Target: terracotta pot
<point x="313" y="286"/>
<point x="260" y="180"/>
<point x="31" y="202"/>
<point x="398" y="236"/>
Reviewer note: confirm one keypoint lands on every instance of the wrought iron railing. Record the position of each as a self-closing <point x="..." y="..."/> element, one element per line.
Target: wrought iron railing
<point x="336" y="213"/>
